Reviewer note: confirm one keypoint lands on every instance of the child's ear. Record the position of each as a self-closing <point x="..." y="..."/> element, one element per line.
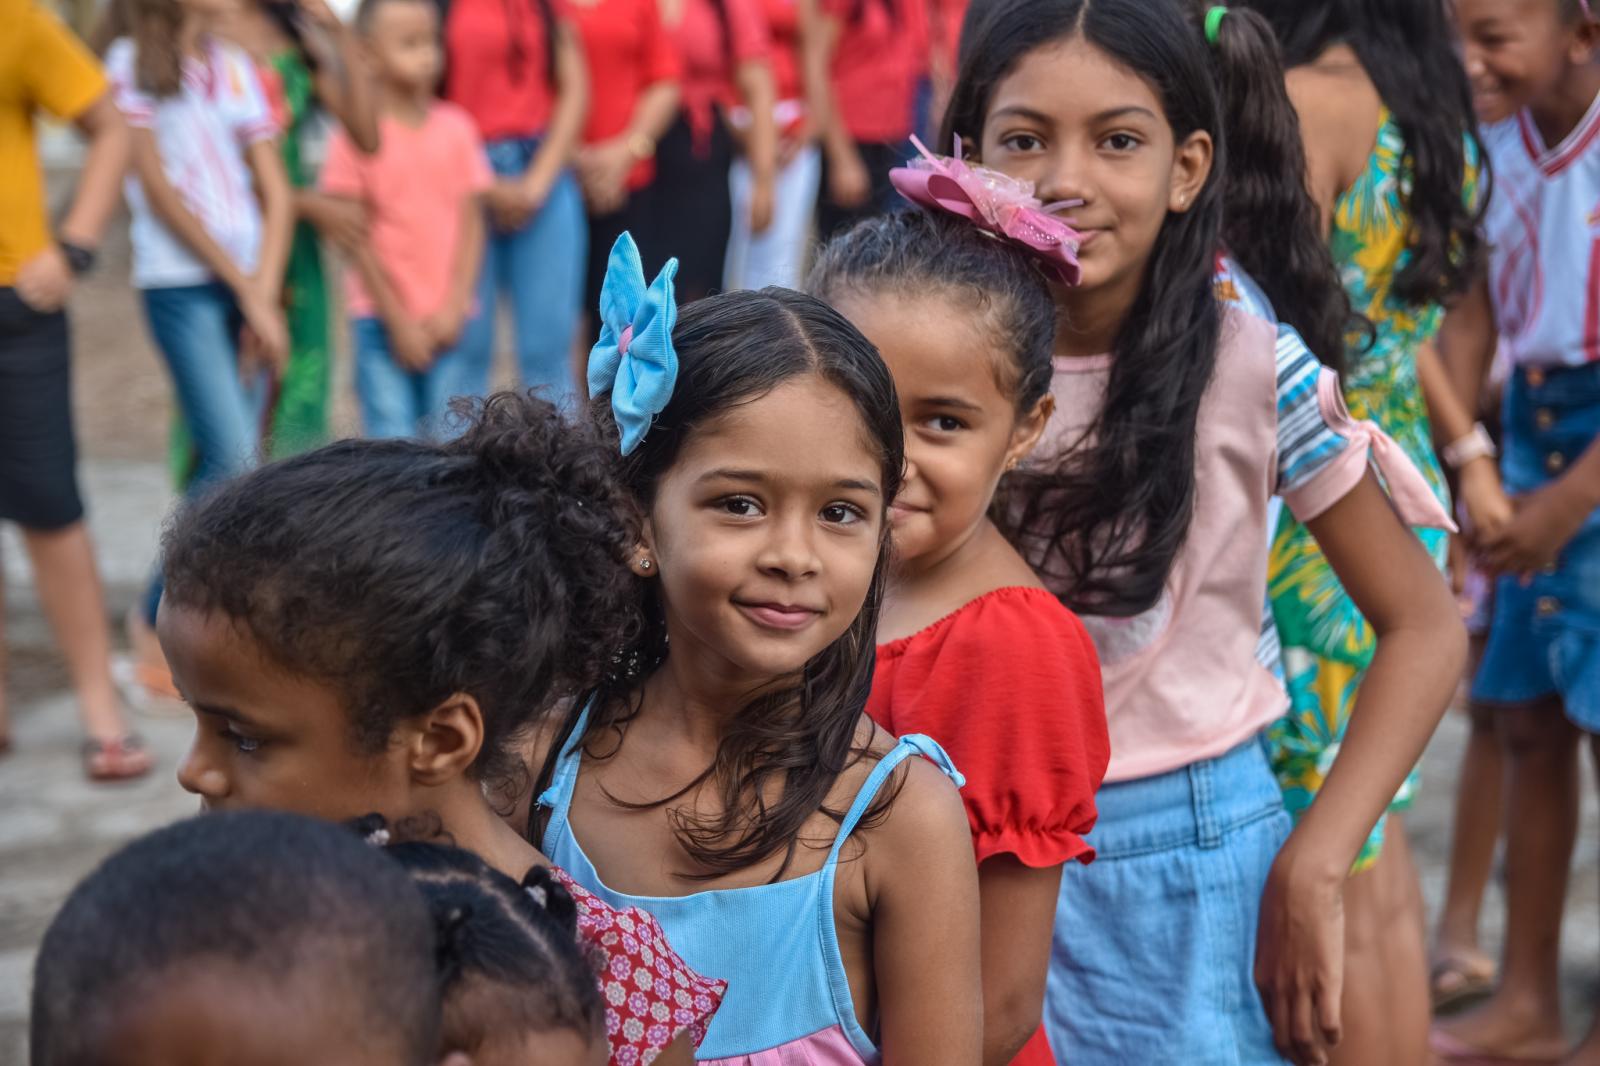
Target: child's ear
<point x="1585" y="42"/>
<point x="1029" y="428"/>
<point x="643" y="561"/>
<point x="447" y="740"/>
<point x="1191" y="166"/>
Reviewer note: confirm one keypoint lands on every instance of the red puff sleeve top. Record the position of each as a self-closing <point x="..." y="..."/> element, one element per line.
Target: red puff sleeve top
<point x="1010" y="686"/>
<point x="627" y="50"/>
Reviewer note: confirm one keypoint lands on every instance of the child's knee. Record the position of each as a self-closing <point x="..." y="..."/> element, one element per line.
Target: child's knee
<point x="1536" y="728"/>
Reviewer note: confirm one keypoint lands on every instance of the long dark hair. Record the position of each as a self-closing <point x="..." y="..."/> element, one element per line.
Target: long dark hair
<point x="1405" y="48"/>
<point x="1270" y="223"/>
<point x="1104" y="522"/>
<point x="400" y="572"/>
<point x="734" y="348"/>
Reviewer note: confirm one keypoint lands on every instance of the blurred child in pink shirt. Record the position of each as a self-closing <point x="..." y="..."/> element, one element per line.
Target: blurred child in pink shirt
<point x="410" y="290"/>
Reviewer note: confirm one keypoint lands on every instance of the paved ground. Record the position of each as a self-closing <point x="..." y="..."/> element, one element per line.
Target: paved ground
<point x="54" y="826"/>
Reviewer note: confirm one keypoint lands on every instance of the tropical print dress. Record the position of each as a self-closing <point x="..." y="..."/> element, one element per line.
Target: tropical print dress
<point x="1327" y="644"/>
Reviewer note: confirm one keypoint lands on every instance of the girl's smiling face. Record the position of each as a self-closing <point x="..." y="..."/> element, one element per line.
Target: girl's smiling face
<point x="1516" y="51"/>
<point x="268" y="738"/>
<point x="1081" y="126"/>
<point x="962" y="428"/>
<point x="765" y="532"/>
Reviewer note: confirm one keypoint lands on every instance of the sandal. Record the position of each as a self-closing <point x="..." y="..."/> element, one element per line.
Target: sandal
<point x="1459" y="977"/>
<point x="117" y="759"/>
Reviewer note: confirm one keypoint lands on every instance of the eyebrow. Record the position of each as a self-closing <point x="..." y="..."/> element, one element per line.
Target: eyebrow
<point x="1020" y="111"/>
<point x="229" y="713"/>
<point x="949" y="401"/>
<point x="730" y="474"/>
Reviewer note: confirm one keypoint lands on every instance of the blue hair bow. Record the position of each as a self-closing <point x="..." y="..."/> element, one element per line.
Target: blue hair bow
<point x="634" y="360"/>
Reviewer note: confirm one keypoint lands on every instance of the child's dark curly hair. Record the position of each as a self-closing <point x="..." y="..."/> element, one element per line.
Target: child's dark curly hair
<point x="401" y="572"/>
<point x="508" y="956"/>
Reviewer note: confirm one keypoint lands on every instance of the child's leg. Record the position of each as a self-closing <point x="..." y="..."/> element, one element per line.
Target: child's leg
<point x="450" y="376"/>
<point x="384" y="388"/>
<point x="1523" y="1017"/>
<point x="543" y="271"/>
<point x="1459" y="964"/>
<point x="1588" y="1052"/>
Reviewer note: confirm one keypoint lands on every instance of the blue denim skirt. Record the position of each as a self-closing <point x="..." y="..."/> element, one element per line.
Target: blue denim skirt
<point x="1155" y="941"/>
<point x="1545" y="637"/>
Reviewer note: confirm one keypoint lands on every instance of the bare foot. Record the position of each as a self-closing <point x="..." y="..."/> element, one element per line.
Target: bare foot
<point x="1459" y="974"/>
<point x="1506" y="1027"/>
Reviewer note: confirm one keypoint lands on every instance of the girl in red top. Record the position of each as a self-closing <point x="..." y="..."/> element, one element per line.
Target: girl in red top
<point x="634" y="72"/>
<point x="974" y="651"/>
<point x="776" y="255"/>
<point x="725" y="51"/>
<point x="877" y="50"/>
<point x="516" y="67"/>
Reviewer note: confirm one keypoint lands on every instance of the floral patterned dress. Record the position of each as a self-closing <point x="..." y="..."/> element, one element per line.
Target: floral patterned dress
<point x="651" y="995"/>
<point x="1327" y="644"/>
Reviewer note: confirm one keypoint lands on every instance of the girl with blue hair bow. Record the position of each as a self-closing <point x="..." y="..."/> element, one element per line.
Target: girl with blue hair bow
<point x="724" y="771"/>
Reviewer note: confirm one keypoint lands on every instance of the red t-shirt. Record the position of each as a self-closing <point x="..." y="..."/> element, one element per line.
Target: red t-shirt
<point x="783" y="26"/>
<point x="947" y="16"/>
<point x="1010" y="686"/>
<point x="627" y="51"/>
<point x="499" y="66"/>
<point x="881" y="53"/>
<point x="709" y="57"/>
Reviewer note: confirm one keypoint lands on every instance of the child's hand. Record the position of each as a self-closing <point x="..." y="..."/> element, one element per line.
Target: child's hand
<point x="45" y="281"/>
<point x="1489" y="509"/>
<point x="265" y="338"/>
<point x="849" y="184"/>
<point x="603" y="170"/>
<point x="513" y="202"/>
<point x="443" y="328"/>
<point x="1546" y="519"/>
<point x="1300" y="956"/>
<point x="409" y="344"/>
<point x="341" y="221"/>
<point x="761" y="201"/>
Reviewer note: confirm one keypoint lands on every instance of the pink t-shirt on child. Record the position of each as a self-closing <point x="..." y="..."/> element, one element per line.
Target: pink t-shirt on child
<point x="413" y="188"/>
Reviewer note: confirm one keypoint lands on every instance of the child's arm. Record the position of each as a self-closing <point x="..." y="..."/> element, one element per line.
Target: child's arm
<point x="849" y="184"/>
<point x="408" y="341"/>
<point x="923" y="885"/>
<point x="1017" y="906"/>
<point x="760" y="95"/>
<point x="1420" y="655"/>
<point x="514" y="201"/>
<point x="277" y="215"/>
<point x="264" y="316"/>
<point x="443" y="327"/>
<point x="342" y="82"/>
<point x="1465" y="346"/>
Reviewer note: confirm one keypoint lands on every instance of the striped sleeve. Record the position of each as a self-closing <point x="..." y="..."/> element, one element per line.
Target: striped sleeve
<point x="1307" y="443"/>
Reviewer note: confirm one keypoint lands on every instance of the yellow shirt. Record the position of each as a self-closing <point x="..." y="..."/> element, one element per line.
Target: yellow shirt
<point x="42" y="67"/>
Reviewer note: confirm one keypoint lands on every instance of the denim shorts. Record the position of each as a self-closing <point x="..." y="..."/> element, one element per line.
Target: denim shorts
<point x="1545" y="637"/>
<point x="1155" y="941"/>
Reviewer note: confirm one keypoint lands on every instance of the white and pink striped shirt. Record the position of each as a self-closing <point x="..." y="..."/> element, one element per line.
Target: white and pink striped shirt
<point x="1544" y="230"/>
<point x="202" y="132"/>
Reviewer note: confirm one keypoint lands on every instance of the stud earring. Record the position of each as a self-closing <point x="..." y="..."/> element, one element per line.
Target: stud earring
<point x="645" y="564"/>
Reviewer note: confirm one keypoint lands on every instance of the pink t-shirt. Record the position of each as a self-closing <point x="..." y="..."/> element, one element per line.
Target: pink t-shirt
<point x="413" y="188"/>
<point x="1182" y="680"/>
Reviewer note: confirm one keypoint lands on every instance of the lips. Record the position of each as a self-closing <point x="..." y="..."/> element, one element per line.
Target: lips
<point x="783" y="616"/>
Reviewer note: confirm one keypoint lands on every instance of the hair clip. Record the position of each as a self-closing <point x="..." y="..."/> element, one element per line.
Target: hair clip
<point x="998" y="204"/>
<point x="634" y="359"/>
<point x="1214" y="17"/>
<point x="540" y="896"/>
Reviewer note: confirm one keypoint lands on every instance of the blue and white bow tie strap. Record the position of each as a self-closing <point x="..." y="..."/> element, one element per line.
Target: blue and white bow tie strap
<point x="634" y="360"/>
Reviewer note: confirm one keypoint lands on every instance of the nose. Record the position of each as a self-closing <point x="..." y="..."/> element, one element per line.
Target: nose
<point x="197" y="774"/>
<point x="790" y="549"/>
<point x="1065" y="177"/>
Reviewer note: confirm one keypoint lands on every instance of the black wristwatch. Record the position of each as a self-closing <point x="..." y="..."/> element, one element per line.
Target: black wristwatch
<point x="79" y="258"/>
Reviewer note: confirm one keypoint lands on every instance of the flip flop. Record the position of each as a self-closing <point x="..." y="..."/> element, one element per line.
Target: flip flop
<point x="1456" y="1052"/>
<point x="1457" y="978"/>
<point x="117" y="759"/>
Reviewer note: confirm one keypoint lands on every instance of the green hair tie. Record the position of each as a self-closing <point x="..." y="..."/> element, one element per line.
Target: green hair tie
<point x="1214" y="19"/>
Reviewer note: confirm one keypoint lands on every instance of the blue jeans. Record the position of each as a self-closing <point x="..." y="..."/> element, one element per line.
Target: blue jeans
<point x="196" y="328"/>
<point x="540" y="268"/>
<point x="1155" y="941"/>
<point x="396" y="402"/>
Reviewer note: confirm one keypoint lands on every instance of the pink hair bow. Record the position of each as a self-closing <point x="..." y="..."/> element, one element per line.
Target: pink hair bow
<point x="998" y="204"/>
